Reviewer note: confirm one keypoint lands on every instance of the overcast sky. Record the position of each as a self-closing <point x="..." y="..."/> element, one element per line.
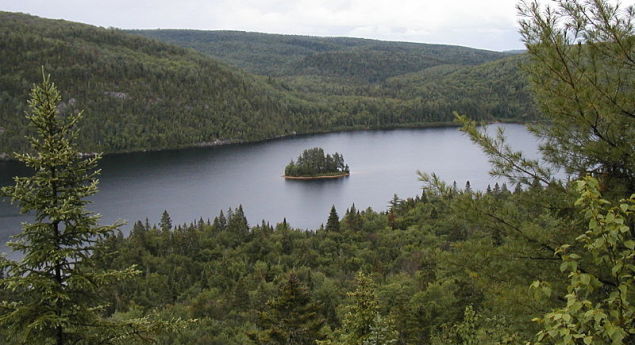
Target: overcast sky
<point x="487" y="24"/>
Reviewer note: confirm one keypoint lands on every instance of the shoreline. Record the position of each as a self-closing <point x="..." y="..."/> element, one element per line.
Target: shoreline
<point x="7" y="157"/>
<point x="322" y="177"/>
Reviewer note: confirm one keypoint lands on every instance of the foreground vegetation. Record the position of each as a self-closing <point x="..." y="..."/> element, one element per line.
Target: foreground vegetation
<point x="450" y="266"/>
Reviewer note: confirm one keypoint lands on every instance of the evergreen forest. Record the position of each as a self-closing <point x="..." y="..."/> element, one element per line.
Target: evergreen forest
<point x="536" y="260"/>
<point x="142" y="94"/>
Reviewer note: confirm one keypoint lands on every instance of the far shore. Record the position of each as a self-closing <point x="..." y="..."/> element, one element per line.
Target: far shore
<point x="315" y="177"/>
<point x="5" y="156"/>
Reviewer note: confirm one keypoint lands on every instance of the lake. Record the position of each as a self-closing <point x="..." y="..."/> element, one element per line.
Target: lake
<point x="194" y="183"/>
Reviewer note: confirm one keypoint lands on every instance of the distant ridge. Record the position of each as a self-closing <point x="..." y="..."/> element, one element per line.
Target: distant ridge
<point x="397" y="82"/>
<point x="142" y="94"/>
<point x="276" y="55"/>
<point x="138" y="94"/>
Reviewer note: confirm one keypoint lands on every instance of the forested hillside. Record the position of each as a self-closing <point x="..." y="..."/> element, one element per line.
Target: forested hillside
<point x="138" y="93"/>
<point x="141" y="94"/>
<point x="280" y="55"/>
<point x="378" y="83"/>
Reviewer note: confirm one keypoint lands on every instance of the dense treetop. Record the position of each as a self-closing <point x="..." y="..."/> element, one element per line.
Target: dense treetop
<point x="313" y="162"/>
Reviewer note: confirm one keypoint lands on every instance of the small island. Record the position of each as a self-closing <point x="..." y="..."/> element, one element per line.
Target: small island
<point x="313" y="164"/>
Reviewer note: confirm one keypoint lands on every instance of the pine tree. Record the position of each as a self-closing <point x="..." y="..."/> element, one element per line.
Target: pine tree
<point x="362" y="323"/>
<point x="582" y="57"/>
<point x="220" y="222"/>
<point x="395" y="203"/>
<point x="55" y="286"/>
<point x="333" y="223"/>
<point x="237" y="222"/>
<point x="352" y="218"/>
<point x="166" y="221"/>
<point x="291" y="318"/>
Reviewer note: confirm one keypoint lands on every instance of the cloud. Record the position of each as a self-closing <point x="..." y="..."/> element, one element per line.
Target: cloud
<point x="487" y="24"/>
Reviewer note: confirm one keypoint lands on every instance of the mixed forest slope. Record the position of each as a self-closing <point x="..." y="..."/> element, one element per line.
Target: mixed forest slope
<point x="378" y="83"/>
<point x="142" y="94"/>
<point x="137" y="93"/>
<point x="280" y="55"/>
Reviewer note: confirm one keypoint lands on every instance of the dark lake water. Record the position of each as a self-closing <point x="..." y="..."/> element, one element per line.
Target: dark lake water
<point x="195" y="183"/>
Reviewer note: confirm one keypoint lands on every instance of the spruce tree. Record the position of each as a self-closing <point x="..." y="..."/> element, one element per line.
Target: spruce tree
<point x="291" y="318"/>
<point x="55" y="287"/>
<point x="237" y="222"/>
<point x="333" y="223"/>
<point x="166" y="221"/>
<point x="220" y="222"/>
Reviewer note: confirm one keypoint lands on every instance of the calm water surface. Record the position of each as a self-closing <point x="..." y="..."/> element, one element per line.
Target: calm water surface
<point x="195" y="183"/>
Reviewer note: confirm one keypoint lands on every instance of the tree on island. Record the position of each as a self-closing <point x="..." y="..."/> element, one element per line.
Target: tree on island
<point x="313" y="162"/>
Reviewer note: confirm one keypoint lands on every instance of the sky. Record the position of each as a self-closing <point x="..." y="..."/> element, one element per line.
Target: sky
<point x="485" y="24"/>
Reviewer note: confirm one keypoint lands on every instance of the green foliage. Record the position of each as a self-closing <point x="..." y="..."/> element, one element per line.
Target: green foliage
<point x="581" y="71"/>
<point x="291" y="318"/>
<point x="475" y="329"/>
<point x="333" y="222"/>
<point x="578" y="70"/>
<point x="166" y="221"/>
<point x="449" y="266"/>
<point x="142" y="94"/>
<point x="313" y="162"/>
<point x="56" y="289"/>
<point x="279" y="55"/>
<point x="374" y="84"/>
<point x="362" y="323"/>
<point x="599" y="308"/>
<point x="139" y="93"/>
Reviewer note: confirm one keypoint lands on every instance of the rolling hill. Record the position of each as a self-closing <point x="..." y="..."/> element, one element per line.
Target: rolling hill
<point x="354" y="58"/>
<point x="139" y="93"/>
<point x="397" y="82"/>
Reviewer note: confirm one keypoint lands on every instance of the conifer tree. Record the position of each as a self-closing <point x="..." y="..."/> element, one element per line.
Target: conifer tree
<point x="220" y="222"/>
<point x="362" y="323"/>
<point x="237" y="222"/>
<point x="582" y="56"/>
<point x="291" y="318"/>
<point x="352" y="218"/>
<point x="333" y="223"/>
<point x="55" y="287"/>
<point x="166" y="221"/>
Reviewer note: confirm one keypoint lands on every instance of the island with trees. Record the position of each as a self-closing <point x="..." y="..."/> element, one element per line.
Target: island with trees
<point x="314" y="164"/>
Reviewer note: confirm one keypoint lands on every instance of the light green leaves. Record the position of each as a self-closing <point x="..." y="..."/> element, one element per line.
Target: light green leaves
<point x="599" y="309"/>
